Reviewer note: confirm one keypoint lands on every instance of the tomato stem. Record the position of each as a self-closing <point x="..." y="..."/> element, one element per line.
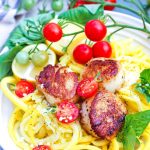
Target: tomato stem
<point x="49" y="46"/>
<point x="90" y="43"/>
<point x="33" y="50"/>
<point x="110" y="35"/>
<point x="11" y="86"/>
<point x="129" y="27"/>
<point x="63" y="23"/>
<point x="138" y="13"/>
<point x="122" y="26"/>
<point x="74" y="33"/>
<point x="65" y="48"/>
<point x="80" y="26"/>
<point x="141" y="7"/>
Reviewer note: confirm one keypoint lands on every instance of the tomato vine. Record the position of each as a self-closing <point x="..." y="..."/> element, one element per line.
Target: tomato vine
<point x="141" y="11"/>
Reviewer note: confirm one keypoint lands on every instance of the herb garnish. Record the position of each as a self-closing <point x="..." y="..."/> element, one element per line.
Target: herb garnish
<point x="144" y="86"/>
<point x="133" y="128"/>
<point x="51" y="109"/>
<point x="141" y="11"/>
<point x="141" y="8"/>
<point x="29" y="31"/>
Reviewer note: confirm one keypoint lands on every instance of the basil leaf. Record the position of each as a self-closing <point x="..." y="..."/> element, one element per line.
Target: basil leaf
<point x="15" y="34"/>
<point x="147" y="96"/>
<point x="145" y="75"/>
<point x="83" y="13"/>
<point x="32" y="27"/>
<point x="45" y="18"/>
<point x="6" y="60"/>
<point x="29" y="31"/>
<point x="138" y="121"/>
<point x="135" y="124"/>
<point x="144" y="86"/>
<point x="129" y="139"/>
<point x="145" y="90"/>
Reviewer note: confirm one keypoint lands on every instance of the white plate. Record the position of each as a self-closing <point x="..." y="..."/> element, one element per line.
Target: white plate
<point x="6" y="107"/>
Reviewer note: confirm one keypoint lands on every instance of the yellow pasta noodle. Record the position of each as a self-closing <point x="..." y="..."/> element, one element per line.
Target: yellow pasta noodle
<point x="31" y="125"/>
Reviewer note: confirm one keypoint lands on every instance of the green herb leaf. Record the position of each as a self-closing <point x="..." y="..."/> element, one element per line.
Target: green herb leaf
<point x="83" y="13"/>
<point x="28" y="32"/>
<point x="145" y="75"/>
<point x="134" y="126"/>
<point x="147" y="97"/>
<point x="6" y="60"/>
<point x="129" y="139"/>
<point x="52" y="109"/>
<point x="144" y="86"/>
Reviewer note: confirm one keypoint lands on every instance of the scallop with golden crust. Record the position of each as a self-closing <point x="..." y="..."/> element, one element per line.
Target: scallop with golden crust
<point x="111" y="73"/>
<point x="103" y="115"/>
<point x="57" y="83"/>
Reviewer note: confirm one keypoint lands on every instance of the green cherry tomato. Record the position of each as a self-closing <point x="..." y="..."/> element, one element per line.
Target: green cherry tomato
<point x="40" y="58"/>
<point x="57" y="5"/>
<point x="22" y="58"/>
<point x="28" y="4"/>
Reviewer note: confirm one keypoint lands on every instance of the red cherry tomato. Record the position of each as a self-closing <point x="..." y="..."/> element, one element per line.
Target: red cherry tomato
<point x="42" y="147"/>
<point x="87" y="87"/>
<point x="102" y="49"/>
<point x="110" y="7"/>
<point x="82" y="53"/>
<point x="52" y="32"/>
<point x="82" y="2"/>
<point x="24" y="88"/>
<point x="67" y="112"/>
<point x="95" y="30"/>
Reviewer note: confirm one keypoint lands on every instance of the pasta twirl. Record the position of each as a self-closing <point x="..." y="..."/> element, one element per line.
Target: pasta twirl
<point x="33" y="126"/>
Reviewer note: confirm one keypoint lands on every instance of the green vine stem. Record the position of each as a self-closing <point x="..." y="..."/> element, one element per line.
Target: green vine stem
<point x="115" y="24"/>
<point x="80" y="26"/>
<point x="129" y="9"/>
<point x="129" y="27"/>
<point x="138" y="4"/>
<point x="74" y="33"/>
<point x="49" y="46"/>
<point x="65" y="48"/>
<point x="123" y="26"/>
<point x="110" y="35"/>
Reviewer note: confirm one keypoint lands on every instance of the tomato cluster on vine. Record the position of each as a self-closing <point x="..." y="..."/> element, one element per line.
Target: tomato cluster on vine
<point x="95" y="30"/>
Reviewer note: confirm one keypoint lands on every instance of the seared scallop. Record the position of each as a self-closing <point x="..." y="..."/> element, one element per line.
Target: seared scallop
<point x="103" y="115"/>
<point x="111" y="75"/>
<point x="57" y="84"/>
